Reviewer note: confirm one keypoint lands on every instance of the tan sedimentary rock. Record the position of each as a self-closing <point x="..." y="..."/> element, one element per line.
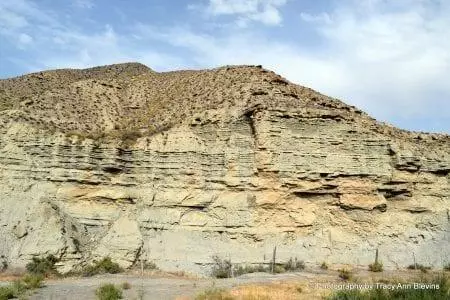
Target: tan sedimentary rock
<point x="176" y="167"/>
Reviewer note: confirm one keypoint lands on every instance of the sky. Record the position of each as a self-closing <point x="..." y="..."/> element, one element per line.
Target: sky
<point x="390" y="58"/>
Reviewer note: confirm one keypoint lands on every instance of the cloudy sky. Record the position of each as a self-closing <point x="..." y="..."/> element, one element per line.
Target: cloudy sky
<point x="390" y="58"/>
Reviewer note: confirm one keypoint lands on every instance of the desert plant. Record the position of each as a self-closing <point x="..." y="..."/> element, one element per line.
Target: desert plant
<point x="43" y="266"/>
<point x="106" y="265"/>
<point x="6" y="292"/>
<point x="324" y="266"/>
<point x="251" y="269"/>
<point x="279" y="269"/>
<point x="345" y="274"/>
<point x="19" y="287"/>
<point x="376" y="267"/>
<point x="294" y="265"/>
<point x="33" y="281"/>
<point x="221" y="267"/>
<point x="108" y="291"/>
<point x="149" y="265"/>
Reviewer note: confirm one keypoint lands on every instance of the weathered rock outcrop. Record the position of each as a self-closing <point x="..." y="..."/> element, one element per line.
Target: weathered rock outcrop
<point x="257" y="162"/>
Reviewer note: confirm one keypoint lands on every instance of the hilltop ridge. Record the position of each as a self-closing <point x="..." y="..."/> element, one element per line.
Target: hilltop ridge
<point x="130" y="100"/>
<point x="104" y="99"/>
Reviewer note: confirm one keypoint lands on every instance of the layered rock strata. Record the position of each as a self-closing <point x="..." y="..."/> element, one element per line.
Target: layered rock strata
<point x="278" y="165"/>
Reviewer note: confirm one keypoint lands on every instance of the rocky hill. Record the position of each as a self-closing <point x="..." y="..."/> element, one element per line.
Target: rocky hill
<point x="176" y="167"/>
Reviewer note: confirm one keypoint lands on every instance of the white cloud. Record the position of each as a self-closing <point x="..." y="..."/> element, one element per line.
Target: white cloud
<point x="9" y="19"/>
<point x="264" y="11"/>
<point x="25" y="39"/>
<point x="396" y="56"/>
<point x="390" y="59"/>
<point x="316" y="18"/>
<point x="85" y="4"/>
<point x="60" y="45"/>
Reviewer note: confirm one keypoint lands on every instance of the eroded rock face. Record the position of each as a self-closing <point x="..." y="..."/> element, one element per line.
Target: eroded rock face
<point x="321" y="184"/>
<point x="122" y="242"/>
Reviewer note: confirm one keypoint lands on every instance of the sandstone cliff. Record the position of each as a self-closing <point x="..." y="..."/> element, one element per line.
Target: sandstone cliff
<point x="176" y="167"/>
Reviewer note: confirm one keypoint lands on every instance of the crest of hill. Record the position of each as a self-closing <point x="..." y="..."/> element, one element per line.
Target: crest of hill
<point x="118" y="99"/>
<point x="24" y="87"/>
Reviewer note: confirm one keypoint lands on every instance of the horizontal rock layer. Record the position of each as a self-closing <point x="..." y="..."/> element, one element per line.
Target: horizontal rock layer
<point x="318" y="188"/>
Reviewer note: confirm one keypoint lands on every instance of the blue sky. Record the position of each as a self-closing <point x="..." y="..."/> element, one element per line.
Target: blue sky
<point x="390" y="58"/>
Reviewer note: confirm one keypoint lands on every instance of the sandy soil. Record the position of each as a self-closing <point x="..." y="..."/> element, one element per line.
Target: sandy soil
<point x="161" y="287"/>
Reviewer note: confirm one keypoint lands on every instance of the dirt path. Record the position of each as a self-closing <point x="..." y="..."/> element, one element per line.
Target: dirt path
<point x="163" y="287"/>
<point x="154" y="288"/>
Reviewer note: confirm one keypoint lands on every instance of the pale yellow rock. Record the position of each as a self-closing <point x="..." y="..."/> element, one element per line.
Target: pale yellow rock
<point x="174" y="168"/>
<point x="361" y="201"/>
<point x="20" y="230"/>
<point x="122" y="243"/>
<point x="269" y="199"/>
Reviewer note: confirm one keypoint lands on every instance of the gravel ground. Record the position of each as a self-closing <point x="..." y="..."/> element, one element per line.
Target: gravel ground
<point x="153" y="288"/>
<point x="162" y="287"/>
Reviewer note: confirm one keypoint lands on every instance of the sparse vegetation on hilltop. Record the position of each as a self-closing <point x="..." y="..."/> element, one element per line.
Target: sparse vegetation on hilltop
<point x="127" y="101"/>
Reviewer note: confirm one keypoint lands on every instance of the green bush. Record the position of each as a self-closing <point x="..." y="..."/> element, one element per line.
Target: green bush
<point x="33" y="281"/>
<point x="6" y="292"/>
<point x="149" y="265"/>
<point x="106" y="265"/>
<point x="324" y="266"/>
<point x="376" y="267"/>
<point x="279" y="269"/>
<point x="251" y="269"/>
<point x="221" y="267"/>
<point x="294" y="265"/>
<point x="108" y="292"/>
<point x="43" y="266"/>
<point x="19" y="287"/>
<point x="404" y="294"/>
